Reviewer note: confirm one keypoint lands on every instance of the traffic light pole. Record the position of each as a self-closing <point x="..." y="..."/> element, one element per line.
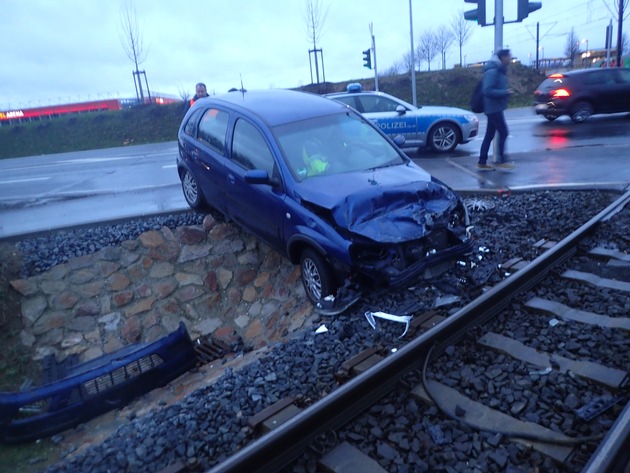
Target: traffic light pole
<point x="498" y="44"/>
<point x="374" y="55"/>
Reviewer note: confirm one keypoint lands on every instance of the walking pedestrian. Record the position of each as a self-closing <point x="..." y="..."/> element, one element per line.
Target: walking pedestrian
<point x="200" y="92"/>
<point x="496" y="94"/>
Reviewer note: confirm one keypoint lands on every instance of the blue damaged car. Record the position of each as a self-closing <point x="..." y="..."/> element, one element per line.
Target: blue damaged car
<point x="438" y="128"/>
<point x="322" y="185"/>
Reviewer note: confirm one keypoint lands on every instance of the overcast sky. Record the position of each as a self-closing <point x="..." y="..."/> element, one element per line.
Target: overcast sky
<point x="59" y="51"/>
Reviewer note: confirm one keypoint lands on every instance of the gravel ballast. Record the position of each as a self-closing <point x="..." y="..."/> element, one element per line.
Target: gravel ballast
<point x="211" y="423"/>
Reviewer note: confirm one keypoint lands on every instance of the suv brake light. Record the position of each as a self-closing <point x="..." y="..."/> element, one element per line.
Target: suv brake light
<point x="560" y="93"/>
<point x="556" y="76"/>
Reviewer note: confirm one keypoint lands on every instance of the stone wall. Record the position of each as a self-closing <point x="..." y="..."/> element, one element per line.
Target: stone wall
<point x="214" y="277"/>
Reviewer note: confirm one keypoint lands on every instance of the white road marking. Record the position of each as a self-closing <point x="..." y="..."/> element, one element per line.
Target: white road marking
<point x="14" y="181"/>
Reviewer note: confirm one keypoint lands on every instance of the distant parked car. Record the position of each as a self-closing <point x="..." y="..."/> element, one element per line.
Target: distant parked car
<point x="440" y="129"/>
<point x="582" y="93"/>
<point x="323" y="186"/>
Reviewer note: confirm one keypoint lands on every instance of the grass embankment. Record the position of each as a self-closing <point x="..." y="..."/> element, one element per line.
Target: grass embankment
<point x="158" y="123"/>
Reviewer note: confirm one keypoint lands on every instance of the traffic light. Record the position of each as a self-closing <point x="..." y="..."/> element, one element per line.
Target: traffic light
<point x="367" y="59"/>
<point x="478" y="15"/>
<point x="525" y="7"/>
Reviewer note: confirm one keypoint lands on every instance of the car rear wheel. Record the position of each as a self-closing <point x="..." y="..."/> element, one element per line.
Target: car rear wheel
<point x="581" y="111"/>
<point x="550" y="117"/>
<point x="317" y="277"/>
<point x="192" y="191"/>
<point x="443" y="137"/>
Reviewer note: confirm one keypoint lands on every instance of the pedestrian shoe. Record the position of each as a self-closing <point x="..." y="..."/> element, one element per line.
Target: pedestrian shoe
<point x="484" y="167"/>
<point x="505" y="166"/>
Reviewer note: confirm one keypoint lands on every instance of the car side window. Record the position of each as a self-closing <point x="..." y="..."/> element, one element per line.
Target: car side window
<point x="191" y="124"/>
<point x="600" y="78"/>
<point x="623" y="76"/>
<point x="375" y="104"/>
<point x="350" y="100"/>
<point x="250" y="149"/>
<point x="212" y="129"/>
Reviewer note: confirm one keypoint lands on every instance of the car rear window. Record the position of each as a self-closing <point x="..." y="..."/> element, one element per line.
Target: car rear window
<point x="191" y="125"/>
<point x="551" y="83"/>
<point x="213" y="127"/>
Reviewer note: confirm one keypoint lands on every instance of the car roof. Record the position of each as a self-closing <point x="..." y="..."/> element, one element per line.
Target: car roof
<point x="579" y="72"/>
<point x="277" y="106"/>
<point x="361" y="92"/>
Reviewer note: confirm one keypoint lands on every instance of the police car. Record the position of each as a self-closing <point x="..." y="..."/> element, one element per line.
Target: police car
<point x="440" y="129"/>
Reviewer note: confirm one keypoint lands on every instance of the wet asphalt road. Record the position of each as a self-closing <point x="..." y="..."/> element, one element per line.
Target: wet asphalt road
<point x="43" y="193"/>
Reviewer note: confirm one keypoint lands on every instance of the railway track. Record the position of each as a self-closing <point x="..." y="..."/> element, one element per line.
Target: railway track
<point x="516" y="377"/>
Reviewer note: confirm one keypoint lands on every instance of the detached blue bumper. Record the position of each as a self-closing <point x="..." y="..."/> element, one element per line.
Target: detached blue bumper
<point x="95" y="387"/>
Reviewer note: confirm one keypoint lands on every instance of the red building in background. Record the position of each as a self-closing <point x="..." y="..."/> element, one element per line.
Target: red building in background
<point x="12" y="117"/>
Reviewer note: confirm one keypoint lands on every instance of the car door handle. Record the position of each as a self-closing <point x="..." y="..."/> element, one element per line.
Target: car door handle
<point x="231" y="179"/>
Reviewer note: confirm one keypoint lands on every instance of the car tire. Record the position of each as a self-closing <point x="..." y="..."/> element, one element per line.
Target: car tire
<point x="317" y="277"/>
<point x="581" y="111"/>
<point x="443" y="137"/>
<point x="550" y="117"/>
<point x="192" y="191"/>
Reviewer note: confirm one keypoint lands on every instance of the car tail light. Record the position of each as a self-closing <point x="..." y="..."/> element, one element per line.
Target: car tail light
<point x="560" y="93"/>
<point x="556" y="76"/>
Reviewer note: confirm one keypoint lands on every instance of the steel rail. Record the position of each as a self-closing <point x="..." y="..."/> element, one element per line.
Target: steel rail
<point x="612" y="455"/>
<point x="278" y="448"/>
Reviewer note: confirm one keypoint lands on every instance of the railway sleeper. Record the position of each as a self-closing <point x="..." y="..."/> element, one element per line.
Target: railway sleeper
<point x="348" y="459"/>
<point x="274" y="415"/>
<point x="484" y="418"/>
<point x="611" y="377"/>
<point x="568" y="313"/>
<point x="597" y="281"/>
<point x="610" y="254"/>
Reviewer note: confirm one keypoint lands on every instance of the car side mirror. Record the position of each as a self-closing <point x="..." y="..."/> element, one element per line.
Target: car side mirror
<point x="260" y="176"/>
<point x="399" y="140"/>
<point x="400" y="110"/>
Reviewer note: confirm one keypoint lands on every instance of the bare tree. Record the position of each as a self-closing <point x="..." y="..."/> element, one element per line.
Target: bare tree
<point x="397" y="68"/>
<point x="315" y="19"/>
<point x="407" y="62"/>
<point x="572" y="47"/>
<point x="462" y="29"/>
<point x="443" y="39"/>
<point x="427" y="48"/>
<point x="131" y="39"/>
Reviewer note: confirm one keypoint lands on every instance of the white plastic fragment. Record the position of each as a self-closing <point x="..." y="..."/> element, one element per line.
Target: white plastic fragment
<point x="547" y="370"/>
<point x="321" y="329"/>
<point x="403" y="319"/>
<point x="553" y="322"/>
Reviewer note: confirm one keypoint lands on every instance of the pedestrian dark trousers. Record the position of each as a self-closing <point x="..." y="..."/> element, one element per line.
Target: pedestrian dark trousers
<point x="496" y="123"/>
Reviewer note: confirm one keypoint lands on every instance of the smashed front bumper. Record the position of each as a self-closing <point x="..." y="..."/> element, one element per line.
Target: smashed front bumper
<point x="396" y="265"/>
<point x="94" y="387"/>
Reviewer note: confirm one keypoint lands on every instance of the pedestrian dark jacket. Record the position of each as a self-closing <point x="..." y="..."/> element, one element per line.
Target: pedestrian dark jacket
<point x="495" y="86"/>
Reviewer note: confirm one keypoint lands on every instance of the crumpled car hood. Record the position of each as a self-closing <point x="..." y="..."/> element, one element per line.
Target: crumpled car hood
<point x="389" y="205"/>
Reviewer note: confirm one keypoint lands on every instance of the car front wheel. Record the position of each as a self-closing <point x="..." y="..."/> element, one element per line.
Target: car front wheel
<point x="443" y="137"/>
<point x="192" y="191"/>
<point x="317" y="277"/>
<point x="581" y="111"/>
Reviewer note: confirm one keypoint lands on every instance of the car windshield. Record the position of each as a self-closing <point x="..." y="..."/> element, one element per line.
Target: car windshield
<point x="334" y="144"/>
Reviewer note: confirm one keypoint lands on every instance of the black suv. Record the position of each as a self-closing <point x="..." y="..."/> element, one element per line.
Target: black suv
<point x="582" y="93"/>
